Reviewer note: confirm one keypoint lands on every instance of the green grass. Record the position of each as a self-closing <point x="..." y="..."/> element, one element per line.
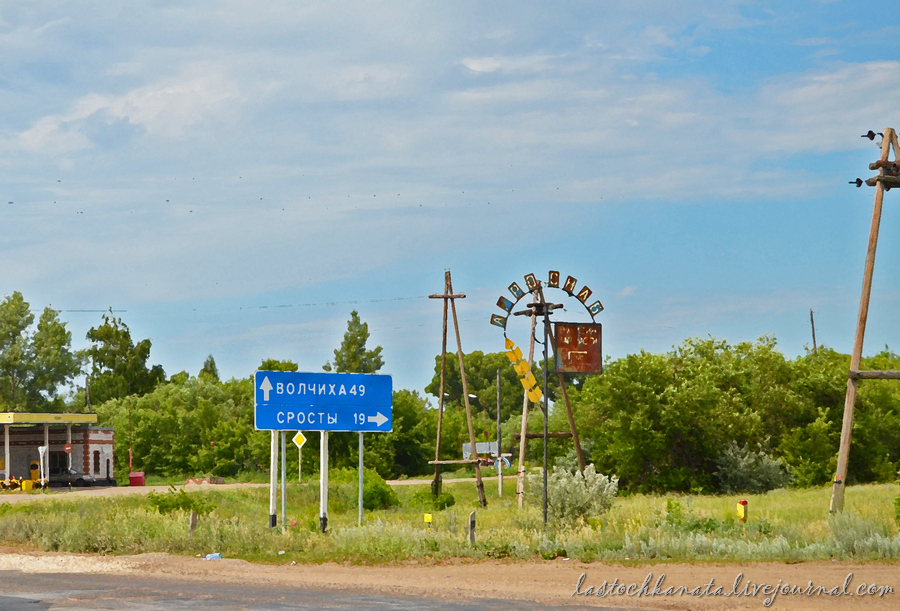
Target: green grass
<point x="784" y="525"/>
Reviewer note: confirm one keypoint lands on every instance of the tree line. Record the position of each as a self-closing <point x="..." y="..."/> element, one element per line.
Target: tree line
<point x="706" y="416"/>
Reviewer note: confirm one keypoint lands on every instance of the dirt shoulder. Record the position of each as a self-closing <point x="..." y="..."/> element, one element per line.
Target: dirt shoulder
<point x="551" y="582"/>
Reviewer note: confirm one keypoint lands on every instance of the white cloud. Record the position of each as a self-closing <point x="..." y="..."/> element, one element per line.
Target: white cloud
<point x="163" y="109"/>
<point x="522" y="64"/>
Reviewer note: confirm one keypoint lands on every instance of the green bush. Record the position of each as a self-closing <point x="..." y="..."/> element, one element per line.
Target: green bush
<point x="897" y="510"/>
<point x="180" y="500"/>
<point x="377" y="494"/>
<point x="424" y="499"/>
<point x="743" y="470"/>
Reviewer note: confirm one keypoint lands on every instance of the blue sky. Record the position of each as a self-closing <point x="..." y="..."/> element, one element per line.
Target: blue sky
<point x="234" y="177"/>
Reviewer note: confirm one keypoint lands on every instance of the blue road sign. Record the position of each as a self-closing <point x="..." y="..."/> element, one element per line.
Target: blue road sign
<point x="294" y="401"/>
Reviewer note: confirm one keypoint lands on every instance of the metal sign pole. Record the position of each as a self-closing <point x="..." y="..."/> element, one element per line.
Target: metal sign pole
<point x="546" y="407"/>
<point x="273" y="474"/>
<point x="283" y="479"/>
<point x="499" y="445"/>
<point x="352" y="402"/>
<point x="360" y="479"/>
<point x="323" y="481"/>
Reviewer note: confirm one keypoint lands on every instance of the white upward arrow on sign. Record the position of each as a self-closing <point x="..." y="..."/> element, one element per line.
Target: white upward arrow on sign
<point x="299" y="439"/>
<point x="378" y="419"/>
<point x="266" y="386"/>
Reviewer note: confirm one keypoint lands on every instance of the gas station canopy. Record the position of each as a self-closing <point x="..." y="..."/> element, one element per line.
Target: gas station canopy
<point x="47" y="418"/>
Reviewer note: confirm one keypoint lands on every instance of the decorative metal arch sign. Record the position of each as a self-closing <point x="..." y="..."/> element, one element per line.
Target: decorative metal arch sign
<point x="578" y="344"/>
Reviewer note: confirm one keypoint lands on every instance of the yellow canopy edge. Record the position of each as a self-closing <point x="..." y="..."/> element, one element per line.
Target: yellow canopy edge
<point x="22" y="418"/>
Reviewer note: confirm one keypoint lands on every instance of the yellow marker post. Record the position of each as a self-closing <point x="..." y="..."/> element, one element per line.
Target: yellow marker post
<point x="428" y="521"/>
<point x="742" y="510"/>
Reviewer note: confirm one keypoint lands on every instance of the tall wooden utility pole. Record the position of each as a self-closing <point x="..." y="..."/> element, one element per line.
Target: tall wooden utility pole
<point x="523" y="440"/>
<point x="448" y="296"/>
<point x="887" y="176"/>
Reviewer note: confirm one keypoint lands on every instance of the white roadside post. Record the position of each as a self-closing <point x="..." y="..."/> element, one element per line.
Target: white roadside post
<point x="42" y="451"/>
<point x="45" y="457"/>
<point x="273" y="474"/>
<point x="323" y="481"/>
<point x="359" y="523"/>
<point x="6" y="452"/>
<point x="69" y="442"/>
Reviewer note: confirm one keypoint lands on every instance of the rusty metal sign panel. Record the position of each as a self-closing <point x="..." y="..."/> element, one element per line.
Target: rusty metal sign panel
<point x="579" y="347"/>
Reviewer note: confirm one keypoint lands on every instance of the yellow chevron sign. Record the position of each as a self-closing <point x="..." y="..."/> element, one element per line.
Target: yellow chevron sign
<point x="526" y="377"/>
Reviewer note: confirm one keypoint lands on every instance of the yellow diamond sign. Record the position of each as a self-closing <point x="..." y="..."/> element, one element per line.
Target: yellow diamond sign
<point x="299" y="440"/>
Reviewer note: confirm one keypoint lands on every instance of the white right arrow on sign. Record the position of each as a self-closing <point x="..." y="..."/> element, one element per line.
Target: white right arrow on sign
<point x="378" y="419"/>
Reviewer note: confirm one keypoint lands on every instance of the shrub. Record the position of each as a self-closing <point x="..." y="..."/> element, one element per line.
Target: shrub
<point x="172" y="501"/>
<point x="426" y="500"/>
<point x="377" y="494"/>
<point x="575" y="496"/>
<point x="743" y="470"/>
<point x="896" y="502"/>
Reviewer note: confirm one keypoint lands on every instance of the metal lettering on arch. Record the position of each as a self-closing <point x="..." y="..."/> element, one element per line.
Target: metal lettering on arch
<point x="552" y="282"/>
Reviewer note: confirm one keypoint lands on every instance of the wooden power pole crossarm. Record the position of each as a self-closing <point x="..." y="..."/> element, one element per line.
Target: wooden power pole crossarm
<point x="837" y="493"/>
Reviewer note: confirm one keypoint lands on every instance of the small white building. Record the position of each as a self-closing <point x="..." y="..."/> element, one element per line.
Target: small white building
<point x="91" y="447"/>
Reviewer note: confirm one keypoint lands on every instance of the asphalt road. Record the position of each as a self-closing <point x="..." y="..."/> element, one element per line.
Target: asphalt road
<point x="51" y="591"/>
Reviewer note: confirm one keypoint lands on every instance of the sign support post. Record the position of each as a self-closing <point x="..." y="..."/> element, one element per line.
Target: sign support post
<point x="323" y="481"/>
<point x="360" y="479"/>
<point x="273" y="475"/>
<point x="349" y="402"/>
<point x="283" y="482"/>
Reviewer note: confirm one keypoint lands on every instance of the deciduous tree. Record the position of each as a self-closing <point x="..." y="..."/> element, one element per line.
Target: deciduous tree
<point x="118" y="365"/>
<point x="33" y="366"/>
<point x="353" y="356"/>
